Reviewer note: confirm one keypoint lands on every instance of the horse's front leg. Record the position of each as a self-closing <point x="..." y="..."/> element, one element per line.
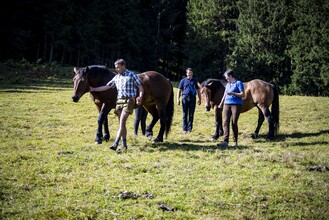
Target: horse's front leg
<point x="218" y="123"/>
<point x="107" y="135"/>
<point x="99" y="132"/>
<point x="102" y="122"/>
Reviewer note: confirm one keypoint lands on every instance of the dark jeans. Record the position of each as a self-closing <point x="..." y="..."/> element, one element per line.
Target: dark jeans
<point x="188" y="104"/>
<point x="140" y="116"/>
<point x="231" y="111"/>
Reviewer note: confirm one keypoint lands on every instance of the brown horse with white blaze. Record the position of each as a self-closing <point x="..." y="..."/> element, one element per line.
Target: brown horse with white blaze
<point x="257" y="93"/>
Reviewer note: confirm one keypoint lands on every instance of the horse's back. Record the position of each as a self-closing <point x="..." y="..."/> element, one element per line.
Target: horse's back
<point x="155" y="84"/>
<point x="260" y="91"/>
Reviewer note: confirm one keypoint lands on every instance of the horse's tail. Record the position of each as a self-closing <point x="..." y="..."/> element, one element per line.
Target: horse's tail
<point x="170" y="110"/>
<point x="276" y="110"/>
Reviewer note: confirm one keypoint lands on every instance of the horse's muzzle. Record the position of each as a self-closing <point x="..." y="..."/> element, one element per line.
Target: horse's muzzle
<point x="207" y="108"/>
<point x="75" y="98"/>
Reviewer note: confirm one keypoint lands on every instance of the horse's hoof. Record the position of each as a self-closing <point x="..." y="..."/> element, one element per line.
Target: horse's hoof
<point x="98" y="141"/>
<point x="106" y="138"/>
<point x="215" y="137"/>
<point x="254" y="136"/>
<point x="157" y="140"/>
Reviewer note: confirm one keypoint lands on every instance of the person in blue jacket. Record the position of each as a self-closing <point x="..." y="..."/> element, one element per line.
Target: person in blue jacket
<point x="189" y="88"/>
<point x="231" y="104"/>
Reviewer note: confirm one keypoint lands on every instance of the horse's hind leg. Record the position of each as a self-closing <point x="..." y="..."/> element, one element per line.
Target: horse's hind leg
<point x="271" y="128"/>
<point x="155" y="117"/>
<point x="260" y="123"/>
<point x="163" y="117"/>
<point x="268" y="116"/>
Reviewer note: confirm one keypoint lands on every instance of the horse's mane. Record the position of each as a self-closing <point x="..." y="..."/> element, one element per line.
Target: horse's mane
<point x="216" y="81"/>
<point x="99" y="70"/>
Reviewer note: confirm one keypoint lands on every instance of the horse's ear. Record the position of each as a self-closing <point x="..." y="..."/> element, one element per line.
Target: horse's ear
<point x="86" y="70"/>
<point x="75" y="70"/>
<point x="209" y="84"/>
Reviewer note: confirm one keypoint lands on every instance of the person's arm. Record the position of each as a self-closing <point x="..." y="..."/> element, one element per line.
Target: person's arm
<point x="109" y="85"/>
<point x="199" y="96"/>
<point x="238" y="94"/>
<point x="140" y="97"/>
<point x="178" y="96"/>
<point x="222" y="102"/>
<point x="99" y="89"/>
<point x="198" y="92"/>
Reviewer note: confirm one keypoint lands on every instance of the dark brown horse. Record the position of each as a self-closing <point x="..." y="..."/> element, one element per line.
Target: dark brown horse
<point x="257" y="93"/>
<point x="158" y="98"/>
<point x="105" y="101"/>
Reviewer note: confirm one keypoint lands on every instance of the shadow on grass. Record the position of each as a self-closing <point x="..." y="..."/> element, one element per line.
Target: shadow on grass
<point x="42" y="84"/>
<point x="194" y="147"/>
<point x="282" y="137"/>
<point x="297" y="135"/>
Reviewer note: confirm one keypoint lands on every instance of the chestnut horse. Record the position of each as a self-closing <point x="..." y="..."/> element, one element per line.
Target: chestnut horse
<point x="158" y="97"/>
<point x="257" y="93"/>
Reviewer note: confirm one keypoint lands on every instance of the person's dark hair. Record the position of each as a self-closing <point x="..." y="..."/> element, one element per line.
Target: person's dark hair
<point x="189" y="69"/>
<point x="120" y="61"/>
<point x="230" y="72"/>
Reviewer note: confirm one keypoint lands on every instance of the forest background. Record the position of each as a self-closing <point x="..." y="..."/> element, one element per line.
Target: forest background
<point x="283" y="41"/>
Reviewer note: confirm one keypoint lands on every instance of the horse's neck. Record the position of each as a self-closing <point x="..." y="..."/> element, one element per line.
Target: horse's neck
<point x="219" y="85"/>
<point x="100" y="80"/>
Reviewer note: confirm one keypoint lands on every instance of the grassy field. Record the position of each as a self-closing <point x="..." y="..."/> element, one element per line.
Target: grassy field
<point x="50" y="167"/>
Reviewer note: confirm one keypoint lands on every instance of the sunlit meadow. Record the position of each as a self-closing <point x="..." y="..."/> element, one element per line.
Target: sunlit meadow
<point x="50" y="167"/>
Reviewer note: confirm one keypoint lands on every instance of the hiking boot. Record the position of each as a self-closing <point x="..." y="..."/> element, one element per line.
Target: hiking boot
<point x="222" y="144"/>
<point x="122" y="149"/>
<point x="114" y="146"/>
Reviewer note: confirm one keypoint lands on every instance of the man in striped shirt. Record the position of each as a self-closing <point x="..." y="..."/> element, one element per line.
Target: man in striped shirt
<point x="127" y="84"/>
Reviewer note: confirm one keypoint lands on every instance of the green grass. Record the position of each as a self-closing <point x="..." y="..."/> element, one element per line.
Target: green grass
<point x="50" y="167"/>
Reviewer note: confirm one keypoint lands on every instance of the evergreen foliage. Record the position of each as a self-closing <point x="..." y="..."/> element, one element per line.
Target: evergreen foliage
<point x="284" y="42"/>
<point x="309" y="48"/>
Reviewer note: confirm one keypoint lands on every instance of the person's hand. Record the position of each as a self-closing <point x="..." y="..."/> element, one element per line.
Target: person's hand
<point x="220" y="105"/>
<point x="139" y="100"/>
<point x="178" y="102"/>
<point x="91" y="89"/>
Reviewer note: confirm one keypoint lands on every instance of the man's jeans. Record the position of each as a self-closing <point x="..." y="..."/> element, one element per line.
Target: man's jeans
<point x="188" y="103"/>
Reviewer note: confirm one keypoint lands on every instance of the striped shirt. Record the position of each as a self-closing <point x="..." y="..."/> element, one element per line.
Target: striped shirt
<point x="126" y="84"/>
